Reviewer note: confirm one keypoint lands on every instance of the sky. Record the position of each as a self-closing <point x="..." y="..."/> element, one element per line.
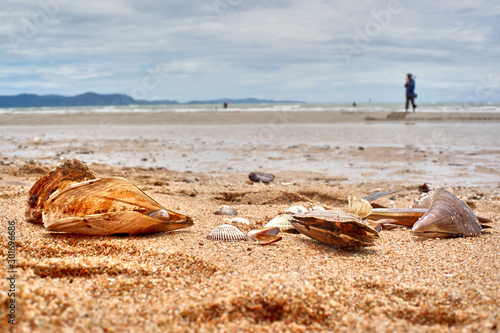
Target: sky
<point x="319" y="51"/>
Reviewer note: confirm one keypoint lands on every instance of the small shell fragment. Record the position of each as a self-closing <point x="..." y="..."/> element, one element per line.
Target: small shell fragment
<point x="265" y="236"/>
<point x="225" y="210"/>
<point x="238" y="220"/>
<point x="227" y="233"/>
<point x="295" y="210"/>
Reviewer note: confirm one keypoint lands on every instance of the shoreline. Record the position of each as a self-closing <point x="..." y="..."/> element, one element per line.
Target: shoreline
<point x="241" y="117"/>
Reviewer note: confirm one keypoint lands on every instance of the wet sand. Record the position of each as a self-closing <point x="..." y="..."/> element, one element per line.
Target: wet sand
<point x="180" y="281"/>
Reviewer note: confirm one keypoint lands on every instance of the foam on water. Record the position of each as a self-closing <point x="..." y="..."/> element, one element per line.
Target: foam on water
<point x="264" y="107"/>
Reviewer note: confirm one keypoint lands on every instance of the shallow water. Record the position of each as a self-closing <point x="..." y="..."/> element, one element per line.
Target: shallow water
<point x="444" y="153"/>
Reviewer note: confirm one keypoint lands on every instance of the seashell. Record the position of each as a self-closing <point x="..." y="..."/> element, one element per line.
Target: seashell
<point x="259" y="177"/>
<point x="337" y="228"/>
<point x="69" y="172"/>
<point x="400" y="216"/>
<point x="107" y="206"/>
<point x="227" y="233"/>
<point x="424" y="201"/>
<point x="317" y="208"/>
<point x="448" y="216"/>
<point x="295" y="210"/>
<point x="281" y="221"/>
<point x="265" y="236"/>
<point x="225" y="210"/>
<point x="238" y="220"/>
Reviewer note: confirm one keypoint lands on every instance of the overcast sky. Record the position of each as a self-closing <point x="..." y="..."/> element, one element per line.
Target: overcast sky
<point x="316" y="51"/>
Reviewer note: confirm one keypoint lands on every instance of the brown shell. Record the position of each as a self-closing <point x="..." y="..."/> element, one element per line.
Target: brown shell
<point x="335" y="228"/>
<point x="448" y="216"/>
<point x="65" y="174"/>
<point x="107" y="206"/>
<point x="400" y="216"/>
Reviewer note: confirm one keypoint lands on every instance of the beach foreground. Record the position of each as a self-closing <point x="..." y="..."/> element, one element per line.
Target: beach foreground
<point x="180" y="281"/>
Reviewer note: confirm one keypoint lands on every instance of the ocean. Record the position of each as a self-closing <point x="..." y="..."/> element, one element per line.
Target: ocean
<point x="343" y="107"/>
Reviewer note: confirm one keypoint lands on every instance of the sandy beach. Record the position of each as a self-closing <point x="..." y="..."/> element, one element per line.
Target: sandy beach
<point x="193" y="163"/>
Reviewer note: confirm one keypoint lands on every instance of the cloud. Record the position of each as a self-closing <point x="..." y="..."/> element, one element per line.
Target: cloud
<point x="327" y="51"/>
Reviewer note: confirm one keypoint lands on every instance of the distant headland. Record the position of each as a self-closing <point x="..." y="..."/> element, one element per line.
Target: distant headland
<point x="94" y="99"/>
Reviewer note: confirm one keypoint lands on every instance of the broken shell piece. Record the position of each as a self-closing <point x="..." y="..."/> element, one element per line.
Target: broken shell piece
<point x="424" y="201"/>
<point x="448" y="216"/>
<point x="238" y="220"/>
<point x="402" y="216"/>
<point x="317" y="208"/>
<point x="107" y="206"/>
<point x="281" y="221"/>
<point x="225" y="210"/>
<point x="295" y="210"/>
<point x="335" y="228"/>
<point x="265" y="236"/>
<point x="227" y="233"/>
<point x="69" y="172"/>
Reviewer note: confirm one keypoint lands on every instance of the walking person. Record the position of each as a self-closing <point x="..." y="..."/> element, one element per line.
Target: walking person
<point x="410" y="92"/>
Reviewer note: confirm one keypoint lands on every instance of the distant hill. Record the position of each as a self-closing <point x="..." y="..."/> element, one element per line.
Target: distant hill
<point x="94" y="99"/>
<point x="87" y="99"/>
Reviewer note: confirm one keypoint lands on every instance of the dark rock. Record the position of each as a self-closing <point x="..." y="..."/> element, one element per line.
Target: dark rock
<point x="259" y="177"/>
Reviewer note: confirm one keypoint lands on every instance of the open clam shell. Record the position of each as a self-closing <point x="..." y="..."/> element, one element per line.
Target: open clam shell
<point x="447" y="216"/>
<point x="227" y="233"/>
<point x="265" y="236"/>
<point x="335" y="228"/>
<point x="107" y="206"/>
<point x="69" y="172"/>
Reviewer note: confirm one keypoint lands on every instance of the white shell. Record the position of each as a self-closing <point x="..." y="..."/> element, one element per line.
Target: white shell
<point x="238" y="220"/>
<point x="281" y="221"/>
<point x="225" y="210"/>
<point x="227" y="233"/>
<point x="316" y="208"/>
<point x="295" y="210"/>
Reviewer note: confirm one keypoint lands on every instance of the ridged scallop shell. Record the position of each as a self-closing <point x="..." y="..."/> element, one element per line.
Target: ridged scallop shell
<point x="238" y="220"/>
<point x="448" y="216"/>
<point x="69" y="172"/>
<point x="107" y="206"/>
<point x="225" y="210"/>
<point x="265" y="236"/>
<point x="227" y="233"/>
<point x="281" y="221"/>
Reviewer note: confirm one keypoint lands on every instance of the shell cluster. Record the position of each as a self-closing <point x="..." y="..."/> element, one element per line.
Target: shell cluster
<point x="99" y="206"/>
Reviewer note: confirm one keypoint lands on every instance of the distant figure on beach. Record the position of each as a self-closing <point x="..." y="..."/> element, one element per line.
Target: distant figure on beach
<point x="225" y="105"/>
<point x="354" y="103"/>
<point x="410" y="92"/>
